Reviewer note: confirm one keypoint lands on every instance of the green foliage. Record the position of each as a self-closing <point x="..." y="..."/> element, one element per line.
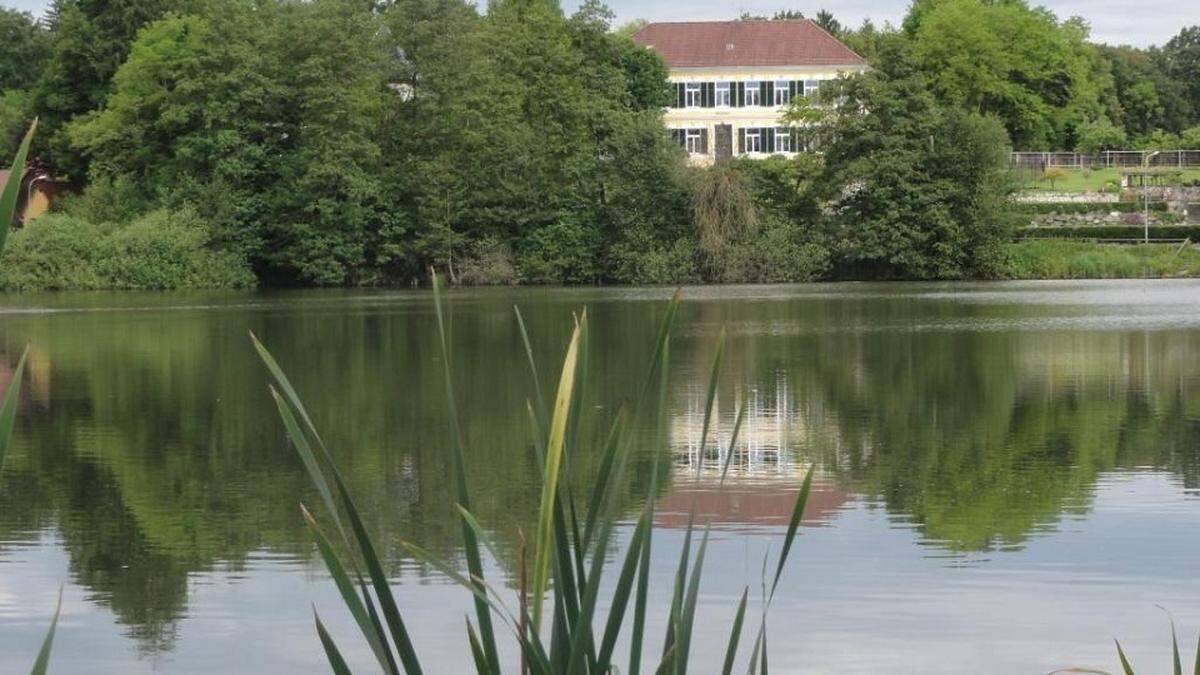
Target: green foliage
<point x="24" y="48"/>
<point x="1052" y="175"/>
<point x="564" y="252"/>
<point x="572" y="558"/>
<point x="1175" y="232"/>
<point x="1180" y="59"/>
<point x="915" y="189"/>
<point x="1146" y="97"/>
<point x="1190" y="138"/>
<point x="1100" y="135"/>
<point x="1058" y="259"/>
<point x="1158" y="140"/>
<point x="161" y="250"/>
<point x="1036" y="208"/>
<point x="1010" y="60"/>
<point x="15" y="112"/>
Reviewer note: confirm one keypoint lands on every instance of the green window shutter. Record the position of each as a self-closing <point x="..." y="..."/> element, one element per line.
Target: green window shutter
<point x="762" y="93"/>
<point x="678" y="94"/>
<point x="741" y="141"/>
<point x="704" y="141"/>
<point x="769" y="99"/>
<point x="710" y="94"/>
<point x="768" y="140"/>
<point x="739" y="94"/>
<point x="791" y="89"/>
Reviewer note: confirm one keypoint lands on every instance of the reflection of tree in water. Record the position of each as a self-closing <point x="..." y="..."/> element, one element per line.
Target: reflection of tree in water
<point x="979" y="438"/>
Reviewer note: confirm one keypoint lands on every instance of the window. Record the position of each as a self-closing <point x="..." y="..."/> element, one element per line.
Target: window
<point x="753" y="93"/>
<point x="753" y="139"/>
<point x="782" y="93"/>
<point x="723" y="94"/>
<point x="695" y="141"/>
<point x="783" y="140"/>
<point x="692" y="97"/>
<point x="811" y="87"/>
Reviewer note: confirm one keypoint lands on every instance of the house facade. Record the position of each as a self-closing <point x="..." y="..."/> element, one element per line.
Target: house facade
<point x="732" y="80"/>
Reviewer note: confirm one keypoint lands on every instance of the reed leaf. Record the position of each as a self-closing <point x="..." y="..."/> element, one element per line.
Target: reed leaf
<point x="735" y="634"/>
<point x="8" y="409"/>
<point x="687" y="616"/>
<point x="336" y="662"/>
<point x="621" y="594"/>
<point x="711" y="397"/>
<point x="1125" y="667"/>
<point x="481" y="664"/>
<point x="793" y="524"/>
<point x="1177" y="665"/>
<point x="43" y="657"/>
<point x="554" y="451"/>
<point x="370" y="628"/>
<point x="487" y="633"/>
<point x="11" y="189"/>
<point x="737" y="427"/>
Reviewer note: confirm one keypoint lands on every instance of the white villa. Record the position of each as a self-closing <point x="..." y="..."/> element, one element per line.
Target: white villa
<point x="733" y="78"/>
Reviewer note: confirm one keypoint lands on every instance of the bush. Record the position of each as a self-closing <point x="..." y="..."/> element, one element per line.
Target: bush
<point x="1040" y="208"/>
<point x="778" y="254"/>
<point x="564" y="252"/>
<point x="489" y="264"/>
<point x="160" y="251"/>
<point x="640" y="257"/>
<point x="1046" y="259"/>
<point x="1112" y="232"/>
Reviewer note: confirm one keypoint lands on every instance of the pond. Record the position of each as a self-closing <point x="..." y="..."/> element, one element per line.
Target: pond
<point x="1007" y="474"/>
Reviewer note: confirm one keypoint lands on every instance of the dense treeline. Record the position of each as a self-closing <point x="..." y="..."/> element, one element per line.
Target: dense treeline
<point x="346" y="142"/>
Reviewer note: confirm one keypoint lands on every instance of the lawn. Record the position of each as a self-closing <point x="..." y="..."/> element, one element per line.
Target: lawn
<point x="1085" y="180"/>
<point x="1058" y="259"/>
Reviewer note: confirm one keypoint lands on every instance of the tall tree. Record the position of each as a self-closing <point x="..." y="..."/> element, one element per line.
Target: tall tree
<point x="1181" y="60"/>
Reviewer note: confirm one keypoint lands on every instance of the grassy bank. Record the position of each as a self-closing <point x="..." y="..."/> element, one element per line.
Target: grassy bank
<point x="1056" y="259"/>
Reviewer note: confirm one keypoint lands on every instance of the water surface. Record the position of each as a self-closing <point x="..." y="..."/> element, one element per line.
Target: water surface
<point x="1008" y="475"/>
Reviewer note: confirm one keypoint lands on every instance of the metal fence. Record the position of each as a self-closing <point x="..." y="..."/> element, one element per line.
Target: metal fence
<point x="1178" y="159"/>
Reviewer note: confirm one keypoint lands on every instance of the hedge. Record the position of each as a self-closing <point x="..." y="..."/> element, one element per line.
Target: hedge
<point x="1039" y="208"/>
<point x="1111" y="232"/>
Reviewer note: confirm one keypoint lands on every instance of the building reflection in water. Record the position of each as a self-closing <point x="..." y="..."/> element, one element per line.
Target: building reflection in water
<point x="765" y="470"/>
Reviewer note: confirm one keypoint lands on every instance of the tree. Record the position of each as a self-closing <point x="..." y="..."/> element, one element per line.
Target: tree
<point x="24" y="48"/>
<point x="915" y="188"/>
<point x="1180" y="59"/>
<point x="1100" y="135"/>
<point x="1039" y="76"/>
<point x="91" y="40"/>
<point x="1189" y="139"/>
<point x="829" y="24"/>
<point x="1146" y="98"/>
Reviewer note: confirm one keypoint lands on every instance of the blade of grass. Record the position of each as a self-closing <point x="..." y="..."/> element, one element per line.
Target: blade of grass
<point x="764" y="653"/>
<point x="1176" y="663"/>
<point x="616" y="612"/>
<point x="638" y="631"/>
<point x="371" y="630"/>
<point x="487" y="633"/>
<point x="713" y="378"/>
<point x="1125" y="667"/>
<point x="1197" y="668"/>
<point x="735" y="634"/>
<point x="533" y="372"/>
<point x="307" y="457"/>
<point x="481" y="665"/>
<point x="737" y="427"/>
<point x="680" y="585"/>
<point x="554" y="451"/>
<point x="793" y="524"/>
<point x="688" y="615"/>
<point x="8" y="409"/>
<point x="336" y="662"/>
<point x="12" y="187"/>
<point x="43" y="657"/>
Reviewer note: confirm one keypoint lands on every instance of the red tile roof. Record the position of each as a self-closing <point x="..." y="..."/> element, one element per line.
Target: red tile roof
<point x="708" y="44"/>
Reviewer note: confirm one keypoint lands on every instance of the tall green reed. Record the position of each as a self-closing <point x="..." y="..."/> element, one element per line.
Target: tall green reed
<point x="8" y="405"/>
<point x="571" y="544"/>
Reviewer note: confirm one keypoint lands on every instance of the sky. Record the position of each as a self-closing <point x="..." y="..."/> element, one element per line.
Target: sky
<point x="1134" y="22"/>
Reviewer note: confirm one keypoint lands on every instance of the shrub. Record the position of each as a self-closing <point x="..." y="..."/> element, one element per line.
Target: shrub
<point x="162" y="250"/>
<point x="1048" y="259"/>
<point x="640" y="258"/>
<point x="1053" y="174"/>
<point x="489" y="264"/>
<point x="564" y="252"/>
<point x="778" y="254"/>
<point x="1038" y="208"/>
<point x="1112" y="232"/>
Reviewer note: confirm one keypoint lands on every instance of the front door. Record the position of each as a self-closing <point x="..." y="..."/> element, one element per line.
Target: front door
<point x="724" y="142"/>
